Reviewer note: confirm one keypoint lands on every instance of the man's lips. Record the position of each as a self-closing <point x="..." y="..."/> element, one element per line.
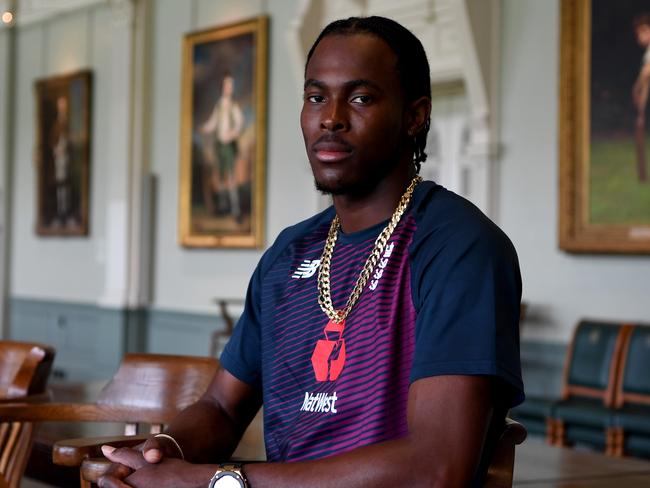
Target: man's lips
<point x="331" y="151"/>
<point x="332" y="156"/>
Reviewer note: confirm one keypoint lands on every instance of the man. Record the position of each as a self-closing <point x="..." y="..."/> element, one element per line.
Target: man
<point x="640" y="91"/>
<point x="226" y="122"/>
<point x="393" y="363"/>
<point x="60" y="147"/>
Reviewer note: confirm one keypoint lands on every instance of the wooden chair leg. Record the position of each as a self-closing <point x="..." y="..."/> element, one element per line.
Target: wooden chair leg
<point x="619" y="442"/>
<point x="83" y="483"/>
<point x="559" y="438"/>
<point x="611" y="439"/>
<point x="550" y="431"/>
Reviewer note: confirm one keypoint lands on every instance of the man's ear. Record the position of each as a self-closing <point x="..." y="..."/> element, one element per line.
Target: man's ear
<point x="419" y="111"/>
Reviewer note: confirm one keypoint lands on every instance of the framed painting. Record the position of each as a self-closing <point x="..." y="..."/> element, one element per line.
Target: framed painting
<point x="603" y="127"/>
<point x="223" y="131"/>
<point x="62" y="154"/>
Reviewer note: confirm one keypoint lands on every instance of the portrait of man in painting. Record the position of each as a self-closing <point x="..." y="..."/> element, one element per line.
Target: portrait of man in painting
<point x="63" y="117"/>
<point x="221" y="166"/>
<point x="618" y="173"/>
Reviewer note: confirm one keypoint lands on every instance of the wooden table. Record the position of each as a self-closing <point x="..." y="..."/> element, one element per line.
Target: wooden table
<point x="539" y="465"/>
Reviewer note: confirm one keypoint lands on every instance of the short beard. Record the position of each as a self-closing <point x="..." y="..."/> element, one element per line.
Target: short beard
<point x="360" y="189"/>
<point x="357" y="189"/>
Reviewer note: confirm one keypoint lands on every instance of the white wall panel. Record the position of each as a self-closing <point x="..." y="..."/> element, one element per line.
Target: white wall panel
<point x="59" y="268"/>
<point x="189" y="279"/>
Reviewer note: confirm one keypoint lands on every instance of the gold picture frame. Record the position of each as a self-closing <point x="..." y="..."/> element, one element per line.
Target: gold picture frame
<point x="604" y="200"/>
<point x="223" y="136"/>
<point x="63" y="115"/>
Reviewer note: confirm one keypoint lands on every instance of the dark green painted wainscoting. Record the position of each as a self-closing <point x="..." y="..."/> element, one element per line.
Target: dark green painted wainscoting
<point x="90" y="340"/>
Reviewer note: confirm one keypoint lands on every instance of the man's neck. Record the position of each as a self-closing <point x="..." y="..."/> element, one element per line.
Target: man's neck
<point x="359" y="213"/>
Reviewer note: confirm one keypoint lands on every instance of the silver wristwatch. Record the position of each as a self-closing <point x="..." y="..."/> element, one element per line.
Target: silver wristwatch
<point x="228" y="476"/>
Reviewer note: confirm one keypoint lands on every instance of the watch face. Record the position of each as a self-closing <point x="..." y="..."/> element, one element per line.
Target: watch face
<point x="228" y="480"/>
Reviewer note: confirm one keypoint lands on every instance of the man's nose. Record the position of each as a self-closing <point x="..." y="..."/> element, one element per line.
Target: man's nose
<point x="334" y="117"/>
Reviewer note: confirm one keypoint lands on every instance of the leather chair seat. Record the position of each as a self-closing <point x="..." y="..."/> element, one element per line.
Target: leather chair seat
<point x="637" y="445"/>
<point x="533" y="413"/>
<point x="634" y="418"/>
<point x="593" y="436"/>
<point x="535" y="407"/>
<point x="584" y="412"/>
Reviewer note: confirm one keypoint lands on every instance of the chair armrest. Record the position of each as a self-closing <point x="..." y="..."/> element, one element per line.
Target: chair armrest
<point x="500" y="471"/>
<point x="72" y="452"/>
<point x="92" y="468"/>
<point x="23" y="379"/>
<point x="515" y="431"/>
<point x="35" y="398"/>
<point x="82" y="412"/>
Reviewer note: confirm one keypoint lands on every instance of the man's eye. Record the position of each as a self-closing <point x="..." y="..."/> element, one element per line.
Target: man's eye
<point x="314" y="98"/>
<point x="361" y="99"/>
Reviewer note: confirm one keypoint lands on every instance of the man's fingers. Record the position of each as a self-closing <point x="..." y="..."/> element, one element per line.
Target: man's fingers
<point x="152" y="451"/>
<point x="159" y="447"/>
<point x="124" y="455"/>
<point x="111" y="482"/>
<point x="152" y="455"/>
<point x="118" y="471"/>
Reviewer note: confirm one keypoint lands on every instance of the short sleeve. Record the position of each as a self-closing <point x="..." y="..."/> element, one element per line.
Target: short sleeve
<point x="242" y="354"/>
<point x="467" y="292"/>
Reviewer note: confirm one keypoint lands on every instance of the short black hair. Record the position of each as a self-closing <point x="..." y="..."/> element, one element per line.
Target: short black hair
<point x="412" y="63"/>
<point x="641" y="19"/>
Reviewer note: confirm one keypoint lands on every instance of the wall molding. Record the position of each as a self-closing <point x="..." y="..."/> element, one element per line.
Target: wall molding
<point x="91" y="339"/>
<point x="27" y="12"/>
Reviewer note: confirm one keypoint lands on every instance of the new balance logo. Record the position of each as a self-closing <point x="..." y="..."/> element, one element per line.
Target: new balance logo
<point x="307" y="269"/>
<point x="319" y="403"/>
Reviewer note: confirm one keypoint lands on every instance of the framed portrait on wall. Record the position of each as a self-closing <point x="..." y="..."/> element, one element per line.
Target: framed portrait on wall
<point x="63" y="105"/>
<point x="604" y="139"/>
<point x="223" y="136"/>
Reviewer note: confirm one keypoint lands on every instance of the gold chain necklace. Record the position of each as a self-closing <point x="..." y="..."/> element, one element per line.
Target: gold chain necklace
<point x="324" y="291"/>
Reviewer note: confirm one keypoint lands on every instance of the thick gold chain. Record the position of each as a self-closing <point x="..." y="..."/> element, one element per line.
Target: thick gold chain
<point x="324" y="290"/>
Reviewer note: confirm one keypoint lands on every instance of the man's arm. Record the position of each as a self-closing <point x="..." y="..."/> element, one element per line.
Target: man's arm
<point x="210" y="125"/>
<point x="640" y="89"/>
<point x="210" y="429"/>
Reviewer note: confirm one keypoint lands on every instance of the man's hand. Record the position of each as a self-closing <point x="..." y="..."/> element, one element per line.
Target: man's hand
<point x="133" y="470"/>
<point x="125" y="461"/>
<point x="153" y="451"/>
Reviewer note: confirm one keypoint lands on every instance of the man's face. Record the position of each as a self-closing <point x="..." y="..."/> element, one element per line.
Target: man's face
<point x="62" y="106"/>
<point x="228" y="86"/>
<point x="643" y="35"/>
<point x="352" y="117"/>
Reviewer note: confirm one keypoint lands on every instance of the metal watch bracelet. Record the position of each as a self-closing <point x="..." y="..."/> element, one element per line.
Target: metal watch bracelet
<point x="229" y="475"/>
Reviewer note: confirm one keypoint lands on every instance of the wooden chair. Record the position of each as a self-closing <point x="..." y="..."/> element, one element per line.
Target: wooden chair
<point x="147" y="389"/>
<point x="630" y="431"/>
<point x="24" y="371"/>
<point x="584" y="412"/>
<point x="501" y="468"/>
